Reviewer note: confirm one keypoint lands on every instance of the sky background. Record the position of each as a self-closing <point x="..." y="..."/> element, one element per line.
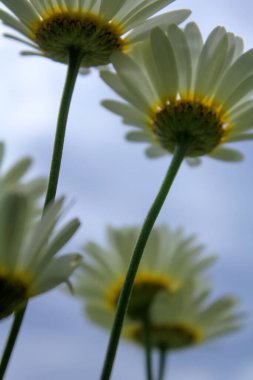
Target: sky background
<point x="113" y="183"/>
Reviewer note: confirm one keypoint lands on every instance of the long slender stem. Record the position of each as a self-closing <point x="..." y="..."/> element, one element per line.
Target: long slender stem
<point x="73" y="68"/>
<point x="16" y="324"/>
<point x="162" y="363"/>
<point x="148" y="349"/>
<point x="136" y="257"/>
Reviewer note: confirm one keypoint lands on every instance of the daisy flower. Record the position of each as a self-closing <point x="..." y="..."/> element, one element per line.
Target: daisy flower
<point x="186" y="318"/>
<point x="12" y="179"/>
<point x="94" y="28"/>
<point x="177" y="89"/>
<point x="28" y="265"/>
<point x="170" y="260"/>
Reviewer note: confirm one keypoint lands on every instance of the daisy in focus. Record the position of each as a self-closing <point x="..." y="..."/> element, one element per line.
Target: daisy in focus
<point x="170" y="261"/>
<point x="178" y="89"/>
<point x="94" y="28"/>
<point x="28" y="266"/>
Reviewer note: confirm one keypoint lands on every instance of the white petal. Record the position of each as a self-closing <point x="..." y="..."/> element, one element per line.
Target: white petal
<point x="165" y="63"/>
<point x="183" y="57"/>
<point x="142" y="31"/>
<point x="211" y="62"/>
<point x="57" y="272"/>
<point x="155" y="151"/>
<point x="195" y="43"/>
<point x="226" y="154"/>
<point x="238" y="72"/>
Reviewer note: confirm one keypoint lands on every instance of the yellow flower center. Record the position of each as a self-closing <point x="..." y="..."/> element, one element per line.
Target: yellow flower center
<point x="96" y="39"/>
<point x="202" y="124"/>
<point x="14" y="290"/>
<point x="146" y="287"/>
<point x="167" y="336"/>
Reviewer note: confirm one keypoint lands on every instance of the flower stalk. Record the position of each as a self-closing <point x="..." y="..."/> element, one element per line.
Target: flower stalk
<point x="162" y="363"/>
<point x="75" y="59"/>
<point x="148" y="348"/>
<point x="137" y="255"/>
<point x="18" y="319"/>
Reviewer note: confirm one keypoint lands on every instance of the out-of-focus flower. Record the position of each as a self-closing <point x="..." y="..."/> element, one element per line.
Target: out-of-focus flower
<point x="171" y="290"/>
<point x="186" y="318"/>
<point x="12" y="179"/>
<point x="170" y="260"/>
<point x="28" y="265"/>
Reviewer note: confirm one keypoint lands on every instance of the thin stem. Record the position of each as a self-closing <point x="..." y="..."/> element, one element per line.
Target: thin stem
<point x="73" y="69"/>
<point x="162" y="363"/>
<point x="17" y="321"/>
<point x="148" y="349"/>
<point x="136" y="257"/>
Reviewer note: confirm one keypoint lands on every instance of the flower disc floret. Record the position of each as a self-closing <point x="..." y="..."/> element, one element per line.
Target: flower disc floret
<point x="146" y="286"/>
<point x="13" y="292"/>
<point x="200" y="125"/>
<point x="92" y="37"/>
<point x="176" y="335"/>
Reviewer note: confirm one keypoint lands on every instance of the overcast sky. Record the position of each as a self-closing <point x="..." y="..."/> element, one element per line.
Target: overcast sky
<point x="101" y="173"/>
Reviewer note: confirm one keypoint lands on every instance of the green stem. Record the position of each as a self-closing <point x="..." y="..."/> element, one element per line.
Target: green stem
<point x="16" y="324"/>
<point x="74" y="65"/>
<point x="162" y="363"/>
<point x="136" y="257"/>
<point x="72" y="73"/>
<point x="148" y="349"/>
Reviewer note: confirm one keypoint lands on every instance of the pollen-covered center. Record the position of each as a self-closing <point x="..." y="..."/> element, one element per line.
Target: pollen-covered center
<point x="13" y="292"/>
<point x="167" y="336"/>
<point x="95" y="38"/>
<point x="146" y="287"/>
<point x="201" y="125"/>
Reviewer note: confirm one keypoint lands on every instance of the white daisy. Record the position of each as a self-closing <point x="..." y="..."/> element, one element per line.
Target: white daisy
<point x="95" y="28"/>
<point x="187" y="318"/>
<point x="28" y="265"/>
<point x="179" y="90"/>
<point x="170" y="260"/>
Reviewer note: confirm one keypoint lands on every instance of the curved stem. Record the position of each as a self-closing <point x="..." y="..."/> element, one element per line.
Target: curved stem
<point x="74" y="65"/>
<point x="148" y="348"/>
<point x="136" y="257"/>
<point x="73" y="69"/>
<point x="162" y="363"/>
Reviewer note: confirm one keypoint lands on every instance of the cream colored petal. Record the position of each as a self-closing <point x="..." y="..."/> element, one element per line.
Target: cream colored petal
<point x="226" y="154"/>
<point x="165" y="62"/>
<point x="211" y="62"/>
<point x="195" y="43"/>
<point x="238" y="72"/>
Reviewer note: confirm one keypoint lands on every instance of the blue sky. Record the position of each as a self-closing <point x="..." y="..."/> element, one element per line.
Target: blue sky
<point x="101" y="173"/>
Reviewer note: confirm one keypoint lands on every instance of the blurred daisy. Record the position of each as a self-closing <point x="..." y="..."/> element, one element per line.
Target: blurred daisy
<point x="179" y="90"/>
<point x="185" y="319"/>
<point x="27" y="263"/>
<point x="170" y="260"/>
<point x="12" y="179"/>
<point x="94" y="28"/>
